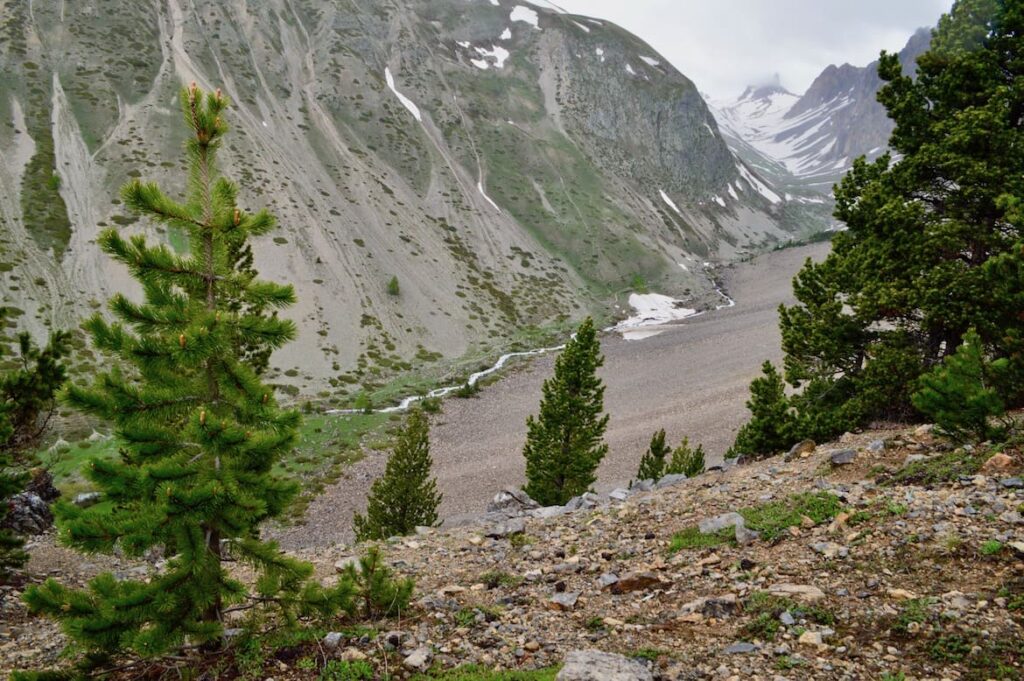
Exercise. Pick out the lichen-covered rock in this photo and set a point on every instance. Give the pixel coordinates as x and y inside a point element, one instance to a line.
<point>594,665</point>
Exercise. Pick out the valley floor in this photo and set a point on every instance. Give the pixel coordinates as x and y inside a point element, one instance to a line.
<point>691,380</point>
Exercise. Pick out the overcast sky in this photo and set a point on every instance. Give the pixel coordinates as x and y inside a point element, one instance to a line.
<point>724,45</point>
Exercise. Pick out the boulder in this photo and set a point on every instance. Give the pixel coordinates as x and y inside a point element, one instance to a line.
<point>997,463</point>
<point>619,494</point>
<point>669,480</point>
<point>741,648</point>
<point>746,536</point>
<point>594,665</point>
<point>507,528</point>
<point>511,502</point>
<point>418,660</point>
<point>801,450</point>
<point>564,601</point>
<point>27,514</point>
<point>332,640</point>
<point>720,522</point>
<point>842,457</point>
<point>86,499</point>
<point>801,592</point>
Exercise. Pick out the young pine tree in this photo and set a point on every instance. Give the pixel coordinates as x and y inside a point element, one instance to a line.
<point>652,463</point>
<point>199,432</point>
<point>11,553</point>
<point>686,460</point>
<point>959,394</point>
<point>405,496</point>
<point>771,424</point>
<point>564,444</point>
<point>27,402</point>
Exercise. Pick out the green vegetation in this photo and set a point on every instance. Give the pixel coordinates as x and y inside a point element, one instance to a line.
<point>990,547</point>
<point>945,467</point>
<point>686,460</point>
<point>376,592</point>
<point>766,608</point>
<point>477,673</point>
<point>914,611</point>
<point>652,463</point>
<point>393,288</point>
<point>405,496</point>
<point>958,395</point>
<point>199,432</point>
<point>932,249</point>
<point>771,520</point>
<point>496,579</point>
<point>564,444</point>
<point>27,402</point>
<point>771,427</point>
<point>343,670</point>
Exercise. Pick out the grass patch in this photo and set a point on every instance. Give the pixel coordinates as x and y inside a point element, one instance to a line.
<point>914,611</point>
<point>650,654</point>
<point>495,579</point>
<point>943,468</point>
<point>478,673</point>
<point>771,520</point>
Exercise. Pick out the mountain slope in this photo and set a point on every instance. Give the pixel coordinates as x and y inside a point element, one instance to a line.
<point>809,141</point>
<point>512,165</point>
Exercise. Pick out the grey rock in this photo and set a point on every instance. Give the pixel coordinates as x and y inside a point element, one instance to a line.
<point>86,499</point>
<point>594,665</point>
<point>619,494</point>
<point>565,600</point>
<point>670,480</point>
<point>1012,483</point>
<point>232,632</point>
<point>418,659</point>
<point>720,522</point>
<point>830,549</point>
<point>842,457</point>
<point>507,528</point>
<point>342,563</point>
<point>332,640</point>
<point>27,514</point>
<point>642,486</point>
<point>547,512</point>
<point>607,579</point>
<point>511,502</point>
<point>740,648</point>
<point>787,618</point>
<point>876,446</point>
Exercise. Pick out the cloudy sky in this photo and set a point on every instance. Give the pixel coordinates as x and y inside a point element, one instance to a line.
<point>724,45</point>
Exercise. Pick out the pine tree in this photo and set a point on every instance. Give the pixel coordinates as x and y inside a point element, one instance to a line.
<point>199,432</point>
<point>27,403</point>
<point>958,394</point>
<point>652,463</point>
<point>405,496</point>
<point>28,393</point>
<point>771,425</point>
<point>914,270</point>
<point>686,460</point>
<point>11,553</point>
<point>564,444</point>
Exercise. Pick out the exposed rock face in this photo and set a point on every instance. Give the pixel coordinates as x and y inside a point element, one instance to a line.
<point>805,143</point>
<point>505,172</point>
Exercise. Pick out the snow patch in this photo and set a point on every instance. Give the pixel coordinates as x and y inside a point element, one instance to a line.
<point>497,53</point>
<point>600,53</point>
<point>653,309</point>
<point>720,201</point>
<point>480,188</point>
<point>670,202</point>
<point>683,265</point>
<point>406,102</point>
<point>759,186</point>
<point>586,29</point>
<point>629,70</point>
<point>525,14</point>
<point>732,193</point>
<point>650,61</point>
<point>506,34</point>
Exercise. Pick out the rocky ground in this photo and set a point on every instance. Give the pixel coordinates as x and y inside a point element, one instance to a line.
<point>886,553</point>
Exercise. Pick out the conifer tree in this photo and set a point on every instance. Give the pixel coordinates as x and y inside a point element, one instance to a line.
<point>564,444</point>
<point>652,463</point>
<point>686,460</point>
<point>27,402</point>
<point>199,432</point>
<point>406,495</point>
<point>914,270</point>
<point>11,553</point>
<point>771,424</point>
<point>959,394</point>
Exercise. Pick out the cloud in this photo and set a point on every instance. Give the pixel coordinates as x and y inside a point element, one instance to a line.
<point>724,45</point>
